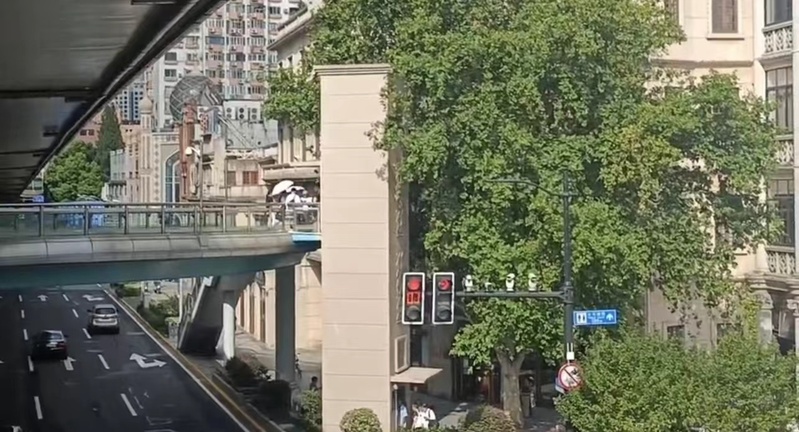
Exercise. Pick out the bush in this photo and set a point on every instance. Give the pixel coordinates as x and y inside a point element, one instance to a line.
<point>274,395</point>
<point>360,420</point>
<point>311,410</point>
<point>123,291</point>
<point>487,419</point>
<point>240,373</point>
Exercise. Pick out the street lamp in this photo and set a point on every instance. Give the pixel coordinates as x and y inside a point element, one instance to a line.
<point>566,293</point>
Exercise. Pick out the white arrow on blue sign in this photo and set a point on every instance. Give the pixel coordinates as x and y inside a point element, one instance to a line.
<point>602,317</point>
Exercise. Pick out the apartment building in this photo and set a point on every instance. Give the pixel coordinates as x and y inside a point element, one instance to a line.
<point>229,47</point>
<point>127,102</point>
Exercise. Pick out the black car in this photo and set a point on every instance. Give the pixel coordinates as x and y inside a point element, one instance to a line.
<point>49,344</point>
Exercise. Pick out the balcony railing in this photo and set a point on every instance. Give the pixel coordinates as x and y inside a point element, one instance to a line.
<point>781,260</point>
<point>74,219</point>
<point>785,155</point>
<point>778,39</point>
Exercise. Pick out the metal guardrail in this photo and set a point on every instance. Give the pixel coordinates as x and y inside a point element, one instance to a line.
<point>86,219</point>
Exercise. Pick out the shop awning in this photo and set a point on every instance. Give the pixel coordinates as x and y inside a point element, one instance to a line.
<point>415,375</point>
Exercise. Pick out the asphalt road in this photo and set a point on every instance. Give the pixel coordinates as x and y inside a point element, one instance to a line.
<point>121,383</point>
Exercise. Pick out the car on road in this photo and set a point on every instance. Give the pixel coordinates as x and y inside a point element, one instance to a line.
<point>103,318</point>
<point>49,344</point>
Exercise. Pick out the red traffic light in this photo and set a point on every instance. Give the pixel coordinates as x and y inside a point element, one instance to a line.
<point>445,284</point>
<point>414,283</point>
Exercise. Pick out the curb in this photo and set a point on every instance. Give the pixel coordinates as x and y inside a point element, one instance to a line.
<point>251,410</point>
<point>221,396</point>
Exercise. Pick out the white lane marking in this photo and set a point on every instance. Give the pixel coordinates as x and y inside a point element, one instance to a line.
<point>20,298</point>
<point>182,366</point>
<point>22,313</point>
<point>86,332</point>
<point>65,297</point>
<point>127,404</point>
<point>102,360</point>
<point>68,364</point>
<point>25,334</point>
<point>74,312</point>
<point>30,364</point>
<point>38,407</point>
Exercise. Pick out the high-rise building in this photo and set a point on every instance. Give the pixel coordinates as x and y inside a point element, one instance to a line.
<point>230,48</point>
<point>127,102</point>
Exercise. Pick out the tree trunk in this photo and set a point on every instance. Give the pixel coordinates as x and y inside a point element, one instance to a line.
<point>511,396</point>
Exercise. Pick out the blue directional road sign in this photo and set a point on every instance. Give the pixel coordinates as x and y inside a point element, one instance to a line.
<point>604,317</point>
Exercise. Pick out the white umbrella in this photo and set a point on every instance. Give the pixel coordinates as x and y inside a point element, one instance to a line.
<point>281,187</point>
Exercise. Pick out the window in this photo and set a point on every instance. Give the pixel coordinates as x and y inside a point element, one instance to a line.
<point>171,56</point>
<point>778,11</point>
<point>676,333</point>
<point>274,10</point>
<point>781,196</point>
<point>170,73</point>
<point>230,178</point>
<point>725,16</point>
<point>672,7</point>
<point>249,178</point>
<point>779,92</point>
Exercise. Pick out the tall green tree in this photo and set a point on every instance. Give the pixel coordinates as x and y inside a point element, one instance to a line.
<point>109,139</point>
<point>647,383</point>
<point>73,173</point>
<point>668,176</point>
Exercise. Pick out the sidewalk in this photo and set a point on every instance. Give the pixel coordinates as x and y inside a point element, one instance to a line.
<point>450,413</point>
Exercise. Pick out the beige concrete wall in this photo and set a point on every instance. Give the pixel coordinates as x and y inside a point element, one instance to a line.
<point>256,308</point>
<point>364,250</point>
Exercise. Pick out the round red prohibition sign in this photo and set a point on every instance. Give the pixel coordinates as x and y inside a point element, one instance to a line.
<point>570,376</point>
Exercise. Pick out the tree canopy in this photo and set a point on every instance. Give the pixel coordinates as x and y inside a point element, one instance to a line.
<point>73,173</point>
<point>648,383</point>
<point>108,140</point>
<point>668,169</point>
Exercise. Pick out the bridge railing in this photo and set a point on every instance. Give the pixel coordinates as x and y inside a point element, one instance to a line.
<point>83,219</point>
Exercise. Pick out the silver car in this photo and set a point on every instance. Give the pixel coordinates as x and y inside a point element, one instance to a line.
<point>103,318</point>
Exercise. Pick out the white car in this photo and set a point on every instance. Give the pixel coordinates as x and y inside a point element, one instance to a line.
<point>103,317</point>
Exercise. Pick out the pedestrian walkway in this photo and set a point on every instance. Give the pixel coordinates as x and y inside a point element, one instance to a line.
<point>449,413</point>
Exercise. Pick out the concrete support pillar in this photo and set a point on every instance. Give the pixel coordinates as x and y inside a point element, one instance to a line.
<point>229,300</point>
<point>765,323</point>
<point>285,322</point>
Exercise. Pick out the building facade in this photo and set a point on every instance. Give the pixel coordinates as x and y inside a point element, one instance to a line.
<point>127,102</point>
<point>229,47</point>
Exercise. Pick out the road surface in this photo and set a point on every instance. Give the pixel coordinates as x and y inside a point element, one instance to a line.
<point>120,383</point>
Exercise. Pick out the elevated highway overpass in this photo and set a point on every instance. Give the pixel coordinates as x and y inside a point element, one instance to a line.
<point>64,60</point>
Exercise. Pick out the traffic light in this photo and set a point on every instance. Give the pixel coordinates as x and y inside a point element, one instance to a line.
<point>413,289</point>
<point>443,298</point>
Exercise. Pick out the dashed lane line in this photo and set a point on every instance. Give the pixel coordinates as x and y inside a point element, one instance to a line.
<point>127,404</point>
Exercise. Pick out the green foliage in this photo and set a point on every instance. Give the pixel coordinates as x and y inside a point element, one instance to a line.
<point>641,382</point>
<point>668,181</point>
<point>294,98</point>
<point>240,373</point>
<point>311,410</point>
<point>73,174</point>
<point>360,420</point>
<point>487,419</point>
<point>109,139</point>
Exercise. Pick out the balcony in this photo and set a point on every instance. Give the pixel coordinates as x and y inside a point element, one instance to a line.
<point>781,260</point>
<point>778,39</point>
<point>785,154</point>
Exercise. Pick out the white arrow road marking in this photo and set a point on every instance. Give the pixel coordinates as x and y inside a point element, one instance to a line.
<point>42,297</point>
<point>74,312</point>
<point>38,407</point>
<point>22,313</point>
<point>65,297</point>
<point>102,360</point>
<point>92,298</point>
<point>144,364</point>
<point>127,404</point>
<point>24,334</point>
<point>30,364</point>
<point>68,364</point>
<point>86,332</point>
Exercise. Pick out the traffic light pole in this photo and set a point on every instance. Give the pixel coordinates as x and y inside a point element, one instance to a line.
<point>566,293</point>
